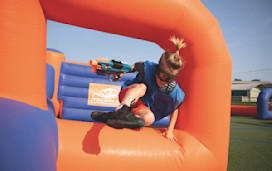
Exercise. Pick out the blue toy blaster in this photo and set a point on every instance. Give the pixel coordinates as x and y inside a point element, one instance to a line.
<point>103,66</point>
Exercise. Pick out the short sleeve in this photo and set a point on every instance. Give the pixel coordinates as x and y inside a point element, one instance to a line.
<point>140,67</point>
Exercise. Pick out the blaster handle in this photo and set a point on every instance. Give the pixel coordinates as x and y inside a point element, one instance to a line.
<point>114,79</point>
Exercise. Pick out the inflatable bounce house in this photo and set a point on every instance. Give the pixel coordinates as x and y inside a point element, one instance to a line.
<point>37,84</point>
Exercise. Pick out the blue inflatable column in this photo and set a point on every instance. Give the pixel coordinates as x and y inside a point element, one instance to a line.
<point>28,137</point>
<point>263,104</point>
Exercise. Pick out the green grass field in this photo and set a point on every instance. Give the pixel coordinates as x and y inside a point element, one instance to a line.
<point>250,147</point>
<point>244,103</point>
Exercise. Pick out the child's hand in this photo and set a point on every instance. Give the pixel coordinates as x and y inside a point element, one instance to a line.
<point>169,135</point>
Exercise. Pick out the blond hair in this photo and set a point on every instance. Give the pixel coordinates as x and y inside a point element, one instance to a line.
<point>172,59</point>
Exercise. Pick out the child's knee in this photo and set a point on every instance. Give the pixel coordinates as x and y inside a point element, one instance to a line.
<point>147,115</point>
<point>149,119</point>
<point>140,86</point>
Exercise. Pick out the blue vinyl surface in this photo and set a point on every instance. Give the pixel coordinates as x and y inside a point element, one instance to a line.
<point>50,80</point>
<point>29,137</point>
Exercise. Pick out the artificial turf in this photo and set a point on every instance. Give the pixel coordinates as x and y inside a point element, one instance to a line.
<point>250,147</point>
<point>244,103</point>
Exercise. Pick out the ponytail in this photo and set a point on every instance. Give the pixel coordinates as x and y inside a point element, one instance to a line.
<point>178,43</point>
<point>172,59</point>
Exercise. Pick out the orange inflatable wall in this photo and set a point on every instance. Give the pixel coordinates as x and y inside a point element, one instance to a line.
<point>244,110</point>
<point>204,118</point>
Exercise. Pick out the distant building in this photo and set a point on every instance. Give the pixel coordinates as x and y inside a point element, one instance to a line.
<point>248,91</point>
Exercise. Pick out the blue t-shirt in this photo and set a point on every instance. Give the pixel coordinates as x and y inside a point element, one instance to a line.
<point>162,101</point>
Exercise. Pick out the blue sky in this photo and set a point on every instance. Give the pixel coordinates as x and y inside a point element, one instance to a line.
<point>246,26</point>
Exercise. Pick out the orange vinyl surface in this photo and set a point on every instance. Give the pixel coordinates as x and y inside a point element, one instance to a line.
<point>203,123</point>
<point>95,146</point>
<point>244,110</point>
<point>23,48</point>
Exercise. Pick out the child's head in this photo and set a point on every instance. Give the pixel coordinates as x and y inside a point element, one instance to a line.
<point>170,63</point>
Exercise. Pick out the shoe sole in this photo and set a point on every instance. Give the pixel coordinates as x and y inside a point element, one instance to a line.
<point>120,124</point>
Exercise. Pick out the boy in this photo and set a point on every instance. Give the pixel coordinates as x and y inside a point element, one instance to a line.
<point>152,95</point>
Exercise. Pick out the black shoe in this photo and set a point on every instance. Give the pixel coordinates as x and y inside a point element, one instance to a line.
<point>123,118</point>
<point>124,114</point>
<point>101,116</point>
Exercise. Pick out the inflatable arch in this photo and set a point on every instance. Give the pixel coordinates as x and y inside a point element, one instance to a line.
<point>263,106</point>
<point>33,139</point>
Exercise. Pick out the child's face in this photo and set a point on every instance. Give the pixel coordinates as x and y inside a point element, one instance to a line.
<point>164,75</point>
